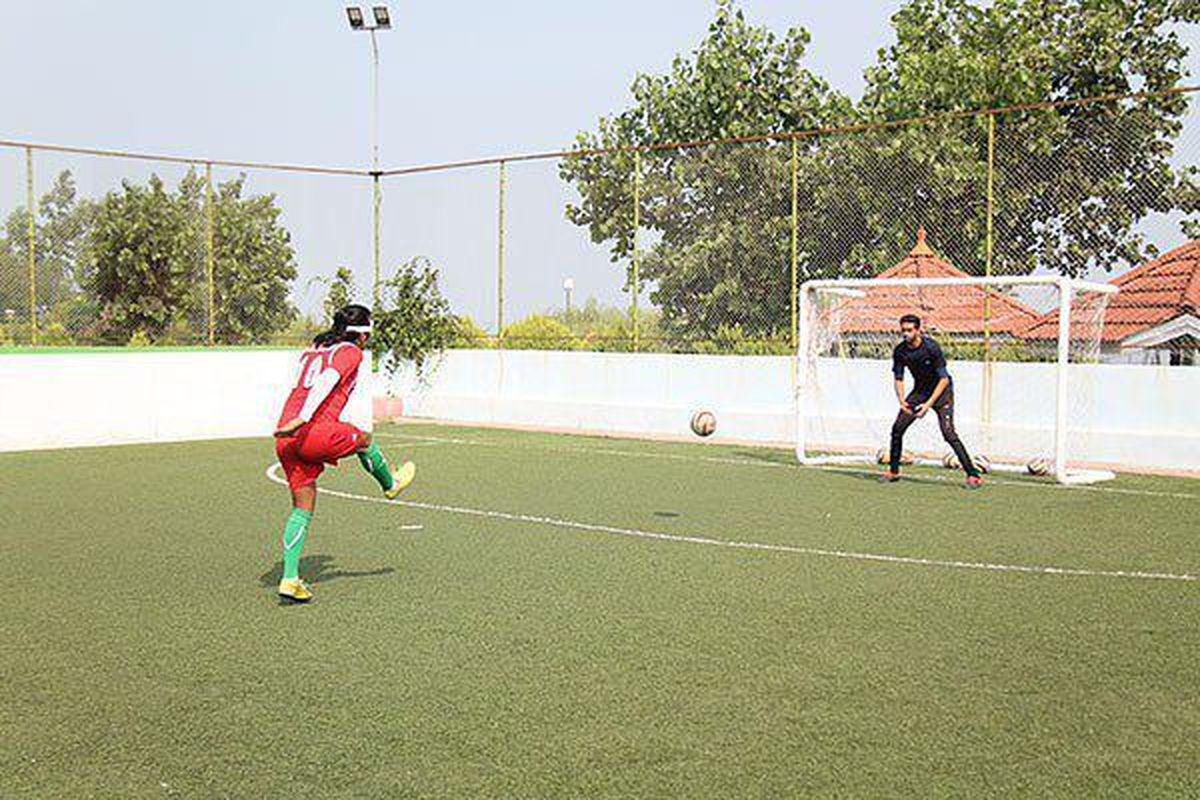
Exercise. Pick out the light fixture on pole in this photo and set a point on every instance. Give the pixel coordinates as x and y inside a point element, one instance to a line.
<point>383,21</point>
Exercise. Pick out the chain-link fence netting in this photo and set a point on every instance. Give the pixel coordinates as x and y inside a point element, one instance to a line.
<point>15,299</point>
<point>567,284</point>
<point>448,221</point>
<point>690,248</point>
<point>287,249</point>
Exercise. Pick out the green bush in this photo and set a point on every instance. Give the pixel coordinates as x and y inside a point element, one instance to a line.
<point>54,334</point>
<point>539,332</point>
<point>469,336</point>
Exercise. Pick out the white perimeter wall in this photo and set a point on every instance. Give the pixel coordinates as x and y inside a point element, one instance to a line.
<point>82,399</point>
<point>1140,416</point>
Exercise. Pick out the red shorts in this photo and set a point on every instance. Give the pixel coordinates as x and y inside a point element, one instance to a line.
<point>305,455</point>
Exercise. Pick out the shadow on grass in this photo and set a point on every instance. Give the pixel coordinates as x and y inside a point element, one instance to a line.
<point>864,472</point>
<point>319,569</point>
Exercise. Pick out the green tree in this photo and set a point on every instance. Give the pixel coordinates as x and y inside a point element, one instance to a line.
<point>60,233</point>
<point>146,267</point>
<point>414,323</point>
<point>254,265</point>
<point>340,294</point>
<point>143,261</point>
<point>1071,183</point>
<point>718,216</point>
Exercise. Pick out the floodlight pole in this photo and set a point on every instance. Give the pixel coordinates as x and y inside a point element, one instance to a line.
<point>357,23</point>
<point>375,189</point>
<point>374,101</point>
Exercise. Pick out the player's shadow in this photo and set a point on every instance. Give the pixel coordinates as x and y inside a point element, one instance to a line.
<point>316,569</point>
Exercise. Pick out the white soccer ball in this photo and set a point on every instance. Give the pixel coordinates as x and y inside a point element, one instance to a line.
<point>1038,466</point>
<point>950,461</point>
<point>704,423</point>
<point>982,463</point>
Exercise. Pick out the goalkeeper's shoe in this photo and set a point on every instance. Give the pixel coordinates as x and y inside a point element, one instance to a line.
<point>974,482</point>
<point>889,477</point>
<point>401,479</point>
<point>295,591</point>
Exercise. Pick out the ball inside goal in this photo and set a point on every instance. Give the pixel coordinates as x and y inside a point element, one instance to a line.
<point>704,423</point>
<point>1038,466</point>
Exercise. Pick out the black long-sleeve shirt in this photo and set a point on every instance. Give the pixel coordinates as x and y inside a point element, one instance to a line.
<point>925,361</point>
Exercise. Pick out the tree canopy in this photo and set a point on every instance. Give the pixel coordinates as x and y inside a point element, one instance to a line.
<point>1071,184</point>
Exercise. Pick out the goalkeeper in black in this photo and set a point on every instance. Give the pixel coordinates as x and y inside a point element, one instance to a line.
<point>933,389</point>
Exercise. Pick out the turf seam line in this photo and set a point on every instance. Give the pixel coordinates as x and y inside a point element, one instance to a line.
<point>746,462</point>
<point>848,555</point>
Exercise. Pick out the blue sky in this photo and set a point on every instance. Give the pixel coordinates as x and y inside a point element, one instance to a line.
<point>289,82</point>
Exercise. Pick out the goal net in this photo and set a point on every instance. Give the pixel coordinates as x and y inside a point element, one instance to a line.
<point>1021,352</point>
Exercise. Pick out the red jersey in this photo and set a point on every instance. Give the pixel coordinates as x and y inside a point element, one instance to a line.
<point>335,366</point>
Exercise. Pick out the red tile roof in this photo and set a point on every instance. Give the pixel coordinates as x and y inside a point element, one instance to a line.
<point>946,309</point>
<point>1154,293</point>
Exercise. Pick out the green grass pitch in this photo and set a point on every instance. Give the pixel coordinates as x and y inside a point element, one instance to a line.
<point>568,621</point>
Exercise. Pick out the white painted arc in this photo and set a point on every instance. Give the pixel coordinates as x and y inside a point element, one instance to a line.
<point>848,555</point>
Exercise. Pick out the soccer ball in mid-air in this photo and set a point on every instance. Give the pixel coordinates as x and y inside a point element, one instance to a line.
<point>950,461</point>
<point>1038,466</point>
<point>704,423</point>
<point>982,463</point>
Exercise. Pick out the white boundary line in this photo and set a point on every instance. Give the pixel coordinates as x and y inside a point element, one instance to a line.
<point>419,441</point>
<point>848,555</point>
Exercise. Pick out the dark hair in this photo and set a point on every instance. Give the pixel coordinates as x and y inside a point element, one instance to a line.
<point>342,319</point>
<point>911,318</point>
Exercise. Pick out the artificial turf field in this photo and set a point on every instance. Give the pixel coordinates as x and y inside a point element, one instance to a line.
<point>552,647</point>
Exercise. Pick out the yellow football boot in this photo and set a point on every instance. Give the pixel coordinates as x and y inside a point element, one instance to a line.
<point>401,479</point>
<point>295,591</point>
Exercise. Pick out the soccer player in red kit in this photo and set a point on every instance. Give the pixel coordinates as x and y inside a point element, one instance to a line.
<point>311,434</point>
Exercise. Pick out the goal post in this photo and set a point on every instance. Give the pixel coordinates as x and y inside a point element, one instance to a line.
<point>1021,350</point>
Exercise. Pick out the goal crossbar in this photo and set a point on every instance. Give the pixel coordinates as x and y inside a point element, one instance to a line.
<point>999,280</point>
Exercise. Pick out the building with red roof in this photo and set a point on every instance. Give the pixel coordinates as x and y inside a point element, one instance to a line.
<point>1153,319</point>
<point>959,311</point>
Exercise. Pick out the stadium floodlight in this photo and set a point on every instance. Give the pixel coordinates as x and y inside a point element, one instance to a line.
<point>382,18</point>
<point>1024,352</point>
<point>355,15</point>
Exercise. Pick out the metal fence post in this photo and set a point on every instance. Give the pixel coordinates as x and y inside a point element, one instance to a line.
<point>209,254</point>
<point>500,258</point>
<point>31,246</point>
<point>990,211</point>
<point>795,340</point>
<point>637,221</point>
<point>376,200</point>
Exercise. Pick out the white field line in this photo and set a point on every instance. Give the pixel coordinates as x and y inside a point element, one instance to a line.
<point>848,555</point>
<point>748,462</point>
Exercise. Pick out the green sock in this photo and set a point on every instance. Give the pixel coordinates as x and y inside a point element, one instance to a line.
<point>294,534</point>
<point>373,462</point>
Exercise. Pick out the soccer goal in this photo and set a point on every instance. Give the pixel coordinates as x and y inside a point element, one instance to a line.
<point>1022,352</point>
